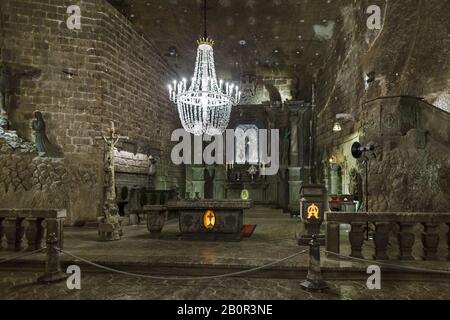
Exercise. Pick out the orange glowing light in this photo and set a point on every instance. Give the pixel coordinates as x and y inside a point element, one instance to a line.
<point>209,220</point>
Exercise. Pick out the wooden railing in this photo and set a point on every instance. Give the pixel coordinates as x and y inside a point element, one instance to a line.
<point>383,223</point>
<point>31,223</point>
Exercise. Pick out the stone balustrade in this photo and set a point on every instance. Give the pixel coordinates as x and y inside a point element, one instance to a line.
<point>31,223</point>
<point>384,223</point>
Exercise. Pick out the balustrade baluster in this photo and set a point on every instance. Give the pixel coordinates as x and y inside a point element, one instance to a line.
<point>34,233</point>
<point>406,239</point>
<point>14,232</point>
<point>430,241</point>
<point>332,240</point>
<point>381,240</point>
<point>1,232</point>
<point>356,237</point>
<point>448,240</point>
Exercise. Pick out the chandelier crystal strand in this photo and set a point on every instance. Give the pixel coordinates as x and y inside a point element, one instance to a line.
<point>205,107</point>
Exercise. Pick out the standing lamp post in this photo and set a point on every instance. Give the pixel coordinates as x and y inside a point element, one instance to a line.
<point>358,151</point>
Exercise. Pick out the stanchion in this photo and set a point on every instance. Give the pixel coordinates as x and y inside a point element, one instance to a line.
<point>53,271</point>
<point>314,281</point>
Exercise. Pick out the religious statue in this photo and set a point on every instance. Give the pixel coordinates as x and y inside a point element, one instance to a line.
<point>110,227</point>
<point>43,145</point>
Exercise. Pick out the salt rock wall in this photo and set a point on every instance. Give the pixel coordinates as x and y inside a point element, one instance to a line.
<point>402,109</point>
<point>29,181</point>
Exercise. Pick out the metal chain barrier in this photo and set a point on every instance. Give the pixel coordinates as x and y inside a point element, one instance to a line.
<point>26,254</point>
<point>388,264</point>
<point>183,278</point>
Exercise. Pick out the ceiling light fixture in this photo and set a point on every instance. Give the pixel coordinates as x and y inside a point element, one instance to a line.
<point>205,107</point>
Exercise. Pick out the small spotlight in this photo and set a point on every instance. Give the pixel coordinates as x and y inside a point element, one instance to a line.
<point>337,127</point>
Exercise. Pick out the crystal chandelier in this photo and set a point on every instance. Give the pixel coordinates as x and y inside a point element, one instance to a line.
<point>204,107</point>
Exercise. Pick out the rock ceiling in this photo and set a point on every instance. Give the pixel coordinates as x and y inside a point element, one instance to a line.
<point>261,37</point>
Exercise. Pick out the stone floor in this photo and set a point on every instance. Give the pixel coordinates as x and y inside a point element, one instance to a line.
<point>274,239</point>
<point>22,285</point>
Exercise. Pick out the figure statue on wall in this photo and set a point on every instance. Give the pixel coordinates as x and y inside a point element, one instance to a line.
<point>109,226</point>
<point>43,145</point>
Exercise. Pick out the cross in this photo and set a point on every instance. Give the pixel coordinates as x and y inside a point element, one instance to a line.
<point>111,140</point>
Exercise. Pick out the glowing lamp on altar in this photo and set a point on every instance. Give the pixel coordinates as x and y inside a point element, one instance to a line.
<point>209,220</point>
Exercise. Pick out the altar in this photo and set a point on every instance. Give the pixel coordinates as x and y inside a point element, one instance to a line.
<point>207,220</point>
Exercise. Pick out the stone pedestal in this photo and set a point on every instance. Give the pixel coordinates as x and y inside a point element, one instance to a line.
<point>156,218</point>
<point>109,231</point>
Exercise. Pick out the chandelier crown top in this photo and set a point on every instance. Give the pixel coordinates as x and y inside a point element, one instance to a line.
<point>205,40</point>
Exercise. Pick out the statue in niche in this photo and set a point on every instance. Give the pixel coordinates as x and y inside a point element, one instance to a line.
<point>43,145</point>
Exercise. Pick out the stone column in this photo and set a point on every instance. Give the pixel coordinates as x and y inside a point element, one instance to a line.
<point>406,239</point>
